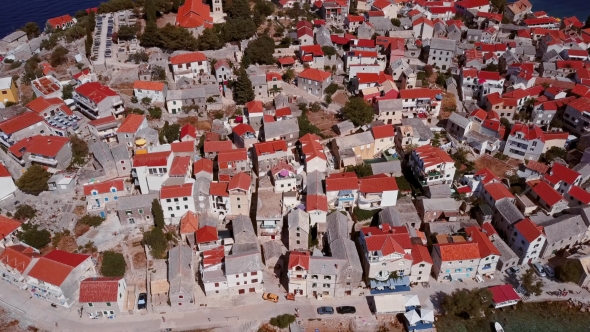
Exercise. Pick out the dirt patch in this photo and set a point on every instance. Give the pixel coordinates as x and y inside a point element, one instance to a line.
<point>80,229</point>
<point>125,88</point>
<point>165,19</point>
<point>80,211</point>
<point>193,120</point>
<point>448,103</point>
<point>139,260</point>
<point>498,167</point>
<point>9,324</point>
<point>324,121</point>
<point>67,243</point>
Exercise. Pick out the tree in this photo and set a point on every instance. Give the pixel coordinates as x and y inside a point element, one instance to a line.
<point>289,75</point>
<point>506,123</point>
<point>31,29</point>
<point>156,240</point>
<point>440,79</point>
<point>242,89</point>
<point>209,40</point>
<point>331,89</point>
<point>67,92</point>
<point>498,5</point>
<point>33,236</point>
<point>91,220</point>
<point>531,283</point>
<point>158,73</point>
<point>358,111</point>
<point>328,50</point>
<point>25,212</point>
<point>553,153</point>
<point>34,181</point>
<point>150,11</point>
<point>315,107</point>
<point>587,23</point>
<point>239,9</point>
<point>59,56</point>
<point>360,170</point>
<point>282,321</point>
<point>570,271</point>
<point>396,22</point>
<point>169,133</point>
<point>127,32</point>
<point>306,127</point>
<point>174,38</point>
<point>492,67</point>
<point>113,264</point>
<point>466,303</point>
<point>265,8</point>
<point>155,112</point>
<point>237,29</point>
<point>260,51</point>
<point>151,36</point>
<point>435,141</point>
<point>79,149</point>
<point>146,101</point>
<point>556,123</point>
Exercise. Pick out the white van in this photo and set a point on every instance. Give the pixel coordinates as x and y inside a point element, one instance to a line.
<point>539,269</point>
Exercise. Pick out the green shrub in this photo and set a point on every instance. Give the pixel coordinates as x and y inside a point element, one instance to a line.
<point>24,212</point>
<point>91,220</point>
<point>282,321</point>
<point>113,264</point>
<point>33,236</point>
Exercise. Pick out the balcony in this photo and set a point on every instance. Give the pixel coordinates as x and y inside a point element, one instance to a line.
<point>269,232</point>
<point>43,160</point>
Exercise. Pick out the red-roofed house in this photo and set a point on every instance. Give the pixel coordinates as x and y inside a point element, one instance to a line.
<point>352,22</point>
<point>188,132</point>
<point>490,255</point>
<point>312,55</point>
<point>212,148</point>
<point>274,82</point>
<point>231,162</point>
<point>189,224</point>
<point>195,16</point>
<point>314,81</point>
<point>576,114</point>
<point>219,199</point>
<point>377,191</point>
<point>297,269</point>
<point>102,195</point>
<point>421,101</point>
<point>207,238</point>
<point>203,168</point>
<point>150,170</point>
<point>479,5</point>
<point>423,28</point>
<point>353,58</point>
<point>384,137</point>
<point>505,107</point>
<point>128,130</point>
<point>548,198</point>
<point>341,189</point>
<point>477,181</point>
<point>432,165</point>
<point>528,141</point>
<point>528,241</point>
<point>269,154</point>
<point>61,22</point>
<point>562,178</point>
<point>55,276</point>
<point>518,10</point>
<point>102,293</point>
<point>577,196</point>
<point>213,271</point>
<point>315,159</point>
<point>504,295</point>
<point>104,128</point>
<point>421,263</point>
<point>8,229</point>
<point>496,191</point>
<point>50,151</point>
<point>304,33</point>
<point>317,207</point>
<point>15,260</point>
<point>283,177</point>
<point>155,91</point>
<point>21,126</point>
<point>244,136</point>
<point>7,187</point>
<point>455,261</point>
<point>189,65</point>
<point>384,250</point>
<point>97,101</point>
<point>389,8</point>
<point>176,201</point>
<point>240,194</point>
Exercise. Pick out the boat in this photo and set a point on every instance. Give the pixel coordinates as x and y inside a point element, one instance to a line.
<point>498,327</point>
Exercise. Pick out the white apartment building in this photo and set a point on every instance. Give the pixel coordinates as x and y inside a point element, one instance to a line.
<point>189,65</point>
<point>156,91</point>
<point>432,165</point>
<point>176,200</point>
<point>527,240</point>
<point>455,261</point>
<point>150,170</point>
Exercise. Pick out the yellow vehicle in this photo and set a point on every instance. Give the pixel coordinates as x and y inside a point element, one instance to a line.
<point>270,297</point>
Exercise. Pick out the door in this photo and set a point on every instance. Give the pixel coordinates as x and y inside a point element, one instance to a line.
<point>102,214</point>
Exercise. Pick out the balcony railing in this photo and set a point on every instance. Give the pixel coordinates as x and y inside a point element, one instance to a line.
<point>43,160</point>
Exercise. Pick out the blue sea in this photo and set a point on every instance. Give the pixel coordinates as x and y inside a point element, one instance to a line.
<point>15,13</point>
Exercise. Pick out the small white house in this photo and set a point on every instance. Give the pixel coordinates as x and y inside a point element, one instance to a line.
<point>176,200</point>
<point>156,91</point>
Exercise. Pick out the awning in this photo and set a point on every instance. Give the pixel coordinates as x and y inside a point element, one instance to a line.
<point>391,303</point>
<point>427,315</point>
<point>412,317</point>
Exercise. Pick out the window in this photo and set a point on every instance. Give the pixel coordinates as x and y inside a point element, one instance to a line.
<point>245,274</point>
<point>181,296</point>
<point>254,273</point>
<point>254,281</point>
<point>140,211</point>
<point>90,305</point>
<point>108,304</point>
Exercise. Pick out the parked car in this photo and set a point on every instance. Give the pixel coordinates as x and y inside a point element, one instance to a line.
<point>549,271</point>
<point>513,270</point>
<point>326,310</point>
<point>539,269</point>
<point>270,297</point>
<point>141,301</point>
<point>346,310</point>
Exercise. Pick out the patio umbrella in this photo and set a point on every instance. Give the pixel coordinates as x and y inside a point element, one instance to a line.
<point>412,300</point>
<point>412,317</point>
<point>427,315</point>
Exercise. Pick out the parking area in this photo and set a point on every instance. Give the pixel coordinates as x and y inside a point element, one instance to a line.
<point>103,42</point>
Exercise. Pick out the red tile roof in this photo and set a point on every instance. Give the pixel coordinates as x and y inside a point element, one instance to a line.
<point>564,173</point>
<point>254,106</point>
<point>315,50</point>
<point>580,194</point>
<point>95,91</point>
<point>149,85</point>
<point>529,230</point>
<point>315,75</point>
<point>488,229</point>
<point>273,75</point>
<point>188,57</point>
<point>180,166</point>
<point>176,191</point>
<point>214,256</point>
<point>473,3</point>
<point>357,18</point>
<point>382,131</point>
<point>503,293</point>
<point>312,147</point>
<point>377,184</point>
<point>486,175</point>
<point>56,266</point>
<point>285,111</point>
<point>207,234</point>
<point>19,122</point>
<point>419,93</point>
<point>40,104</point>
<point>498,191</point>
<point>104,187</point>
<point>240,181</point>
<point>188,130</point>
<point>232,155</point>
<point>458,251</point>
<point>432,155</point>
<point>18,257</point>
<point>66,258</point>
<point>189,223</point>
<point>187,146</point>
<point>537,167</point>
<point>59,21</point>
<point>530,131</point>
<point>131,123</point>
<point>342,181</point>
<point>423,20</point>
<point>48,146</point>
<point>203,165</point>
<point>581,105</point>
<point>102,121</point>
<point>217,146</point>
<point>286,61</point>
<point>243,128</point>
<point>7,226</point>
<point>486,247</point>
<point>218,189</point>
<point>488,75</point>
<point>420,254</point>
<point>270,147</point>
<point>547,193</point>
<point>193,14</point>
<point>97,290</point>
<point>387,239</point>
<point>4,172</point>
<point>151,159</point>
<point>316,202</point>
<point>298,258</point>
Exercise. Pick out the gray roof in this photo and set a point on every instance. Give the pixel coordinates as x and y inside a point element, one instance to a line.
<point>438,191</point>
<point>459,120</point>
<point>449,227</point>
<point>14,36</point>
<point>322,36</point>
<point>391,167</point>
<point>278,128</point>
<point>509,211</point>
<point>244,248</point>
<point>505,251</point>
<point>475,136</point>
<point>563,228</point>
<point>243,229</point>
<point>243,263</point>
<point>314,183</point>
<point>337,225</point>
<point>549,66</point>
<point>102,153</point>
<point>424,133</point>
<point>403,213</point>
<point>381,23</point>
<point>345,126</point>
<point>346,249</point>
<point>442,44</point>
<point>388,105</point>
<point>298,218</point>
<point>120,152</point>
<point>186,94</point>
<point>180,274</point>
<point>258,79</point>
<point>281,101</point>
<point>273,250</point>
<point>474,32</point>
<point>355,140</point>
<point>208,219</point>
<point>325,265</point>
<point>441,204</point>
<point>136,201</point>
<point>525,50</point>
<point>202,186</point>
<point>584,170</point>
<point>149,134</point>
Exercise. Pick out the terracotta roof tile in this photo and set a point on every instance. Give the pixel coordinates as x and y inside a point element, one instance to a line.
<point>19,122</point>
<point>98,290</point>
<point>342,181</point>
<point>218,189</point>
<point>239,181</point>
<point>207,234</point>
<point>189,223</point>
<point>498,191</point>
<point>104,187</point>
<point>151,159</point>
<point>458,251</point>
<point>18,257</point>
<point>180,166</point>
<point>177,191</point>
<point>420,254</point>
<point>217,146</point>
<point>382,131</point>
<point>188,57</point>
<point>48,146</point>
<point>315,75</point>
<point>564,173</point>
<point>377,184</point>
<point>95,91</point>
<point>547,193</point>
<point>149,85</point>
<point>203,165</point>
<point>188,130</point>
<point>297,258</point>
<point>131,123</point>
<point>529,230</point>
<point>316,202</point>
